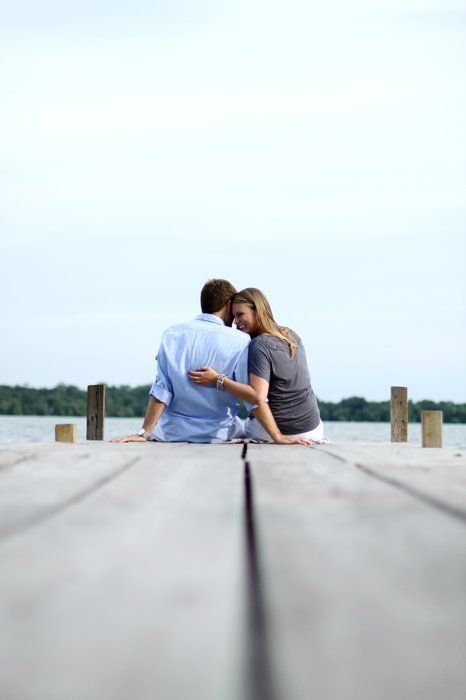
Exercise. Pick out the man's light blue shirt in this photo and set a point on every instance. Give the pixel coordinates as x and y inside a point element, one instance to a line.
<point>195,413</point>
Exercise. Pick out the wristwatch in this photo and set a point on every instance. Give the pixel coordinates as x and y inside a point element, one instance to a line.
<point>142,433</point>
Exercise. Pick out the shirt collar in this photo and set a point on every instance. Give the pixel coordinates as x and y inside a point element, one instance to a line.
<point>210,317</point>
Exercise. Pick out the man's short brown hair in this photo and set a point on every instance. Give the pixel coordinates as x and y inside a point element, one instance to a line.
<point>215,294</point>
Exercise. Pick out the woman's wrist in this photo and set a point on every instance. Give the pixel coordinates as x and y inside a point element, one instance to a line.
<point>275,433</point>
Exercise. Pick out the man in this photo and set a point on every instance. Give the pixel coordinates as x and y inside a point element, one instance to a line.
<point>180,411</point>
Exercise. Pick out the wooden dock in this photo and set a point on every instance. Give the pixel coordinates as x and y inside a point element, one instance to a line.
<point>212,572</point>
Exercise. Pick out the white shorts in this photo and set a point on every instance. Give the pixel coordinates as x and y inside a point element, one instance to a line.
<point>254,431</point>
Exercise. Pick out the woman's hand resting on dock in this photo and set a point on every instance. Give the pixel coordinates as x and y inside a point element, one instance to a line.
<point>290,440</point>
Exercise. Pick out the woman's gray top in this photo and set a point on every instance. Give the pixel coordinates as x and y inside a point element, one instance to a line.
<point>291,398</point>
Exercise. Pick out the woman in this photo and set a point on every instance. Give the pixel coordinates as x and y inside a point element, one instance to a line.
<point>277,372</point>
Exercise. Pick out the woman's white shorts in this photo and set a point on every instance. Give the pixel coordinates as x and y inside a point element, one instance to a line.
<point>254,431</point>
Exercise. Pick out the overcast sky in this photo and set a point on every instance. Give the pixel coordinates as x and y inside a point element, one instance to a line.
<point>315,152</point>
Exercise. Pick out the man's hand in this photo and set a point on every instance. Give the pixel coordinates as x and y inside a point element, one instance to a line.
<point>290,440</point>
<point>205,376</point>
<point>155,409</point>
<point>130,438</point>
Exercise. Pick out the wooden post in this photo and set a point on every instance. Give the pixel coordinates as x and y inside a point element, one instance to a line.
<point>65,432</point>
<point>399,413</point>
<point>432,428</point>
<point>95,411</point>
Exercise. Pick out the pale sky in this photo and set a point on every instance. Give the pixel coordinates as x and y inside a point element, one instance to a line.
<point>315,152</point>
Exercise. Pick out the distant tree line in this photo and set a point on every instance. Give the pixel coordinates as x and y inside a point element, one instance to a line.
<point>356,408</point>
<point>126,401</point>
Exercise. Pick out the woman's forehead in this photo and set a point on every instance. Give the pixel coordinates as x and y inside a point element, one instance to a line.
<point>238,307</point>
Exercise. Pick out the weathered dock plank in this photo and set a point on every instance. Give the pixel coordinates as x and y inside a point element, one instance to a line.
<point>438,475</point>
<point>363,583</point>
<point>135,590</point>
<point>10,457</point>
<point>36,484</point>
<point>126,571</point>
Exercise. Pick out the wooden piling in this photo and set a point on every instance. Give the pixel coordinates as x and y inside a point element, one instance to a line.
<point>65,432</point>
<point>399,414</point>
<point>432,422</point>
<point>95,411</point>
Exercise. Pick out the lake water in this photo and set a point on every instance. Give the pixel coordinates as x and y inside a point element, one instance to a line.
<point>42,429</point>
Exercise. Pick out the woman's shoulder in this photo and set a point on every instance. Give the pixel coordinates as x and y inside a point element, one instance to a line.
<point>261,345</point>
<point>258,343</point>
<point>291,334</point>
<point>271,342</point>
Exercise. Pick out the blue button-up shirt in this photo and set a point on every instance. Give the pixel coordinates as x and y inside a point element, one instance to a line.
<point>195,413</point>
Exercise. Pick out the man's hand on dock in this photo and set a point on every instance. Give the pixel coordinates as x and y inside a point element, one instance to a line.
<point>129,438</point>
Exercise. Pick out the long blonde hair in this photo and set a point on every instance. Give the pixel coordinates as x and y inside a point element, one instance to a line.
<point>257,300</point>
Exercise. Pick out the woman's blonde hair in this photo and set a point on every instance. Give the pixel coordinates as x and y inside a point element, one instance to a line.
<point>257,300</point>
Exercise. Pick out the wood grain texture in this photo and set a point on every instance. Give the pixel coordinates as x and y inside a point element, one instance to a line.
<point>134,591</point>
<point>438,475</point>
<point>66,432</point>
<point>127,571</point>
<point>9,457</point>
<point>95,411</point>
<point>399,414</point>
<point>364,584</point>
<point>432,423</point>
<point>42,484</point>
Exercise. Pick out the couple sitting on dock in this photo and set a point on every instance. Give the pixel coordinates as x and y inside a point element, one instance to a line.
<point>205,368</point>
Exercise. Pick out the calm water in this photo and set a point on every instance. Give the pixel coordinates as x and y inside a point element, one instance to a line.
<point>42,429</point>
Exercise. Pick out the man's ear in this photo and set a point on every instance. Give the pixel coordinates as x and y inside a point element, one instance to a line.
<point>228,314</point>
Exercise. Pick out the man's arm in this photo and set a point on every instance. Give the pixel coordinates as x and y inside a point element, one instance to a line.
<point>252,393</point>
<point>155,409</point>
<point>161,394</point>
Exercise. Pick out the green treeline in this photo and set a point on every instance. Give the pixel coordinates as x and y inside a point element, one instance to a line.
<point>62,400</point>
<point>358,409</point>
<point>131,402</point>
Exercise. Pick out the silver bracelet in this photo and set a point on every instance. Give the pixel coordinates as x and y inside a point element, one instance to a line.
<point>220,380</point>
